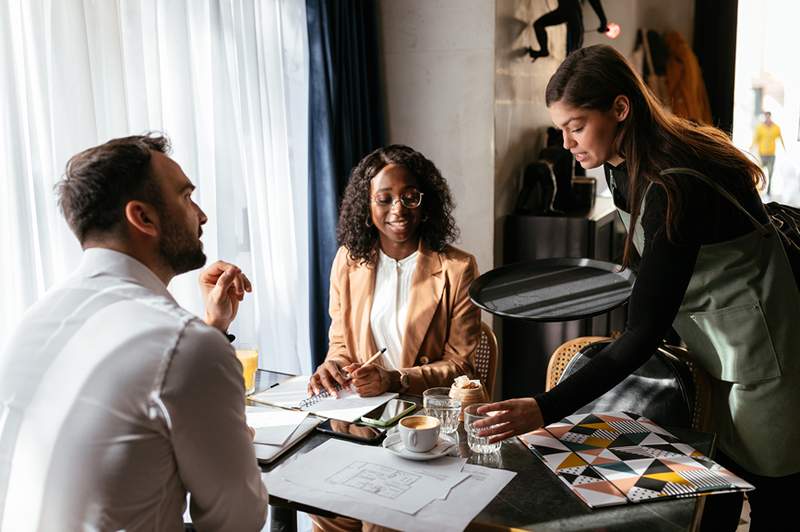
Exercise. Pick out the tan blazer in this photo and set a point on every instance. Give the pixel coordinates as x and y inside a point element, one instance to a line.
<point>442,324</point>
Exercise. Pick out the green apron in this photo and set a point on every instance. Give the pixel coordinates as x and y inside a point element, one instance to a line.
<point>740,321</point>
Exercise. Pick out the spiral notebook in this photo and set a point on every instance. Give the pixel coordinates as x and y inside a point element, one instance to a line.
<point>293,393</point>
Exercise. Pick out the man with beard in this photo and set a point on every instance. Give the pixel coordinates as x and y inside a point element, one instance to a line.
<point>114,401</point>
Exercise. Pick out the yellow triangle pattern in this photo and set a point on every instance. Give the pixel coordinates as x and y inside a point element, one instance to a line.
<point>572,460</point>
<point>668,477</point>
<point>597,426</point>
<point>597,442</point>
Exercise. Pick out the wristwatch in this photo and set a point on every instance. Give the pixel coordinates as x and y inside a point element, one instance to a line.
<point>403,380</point>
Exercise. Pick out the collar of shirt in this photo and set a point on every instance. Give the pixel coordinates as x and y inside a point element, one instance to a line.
<point>617,179</point>
<point>386,260</point>
<point>97,262</point>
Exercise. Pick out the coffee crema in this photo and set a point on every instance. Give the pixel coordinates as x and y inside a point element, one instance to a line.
<point>419,422</point>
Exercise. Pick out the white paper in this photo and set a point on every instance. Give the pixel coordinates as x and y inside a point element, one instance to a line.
<point>374,475</point>
<point>453,514</point>
<point>273,426</point>
<point>349,406</point>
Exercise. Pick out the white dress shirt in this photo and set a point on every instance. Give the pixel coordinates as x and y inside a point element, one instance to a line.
<point>390,305</point>
<point>114,402</point>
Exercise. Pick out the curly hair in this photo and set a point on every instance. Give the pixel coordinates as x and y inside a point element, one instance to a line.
<point>438,228</point>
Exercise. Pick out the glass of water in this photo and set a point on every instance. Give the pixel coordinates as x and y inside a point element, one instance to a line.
<point>439,404</point>
<point>476,443</point>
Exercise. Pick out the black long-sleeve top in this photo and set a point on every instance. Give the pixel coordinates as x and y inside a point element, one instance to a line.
<point>663,275</point>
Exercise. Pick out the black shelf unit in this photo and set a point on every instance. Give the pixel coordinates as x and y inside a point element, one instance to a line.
<point>527,346</point>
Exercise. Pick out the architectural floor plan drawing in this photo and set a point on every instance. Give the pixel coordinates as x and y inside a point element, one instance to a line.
<point>376,479</point>
<point>373,475</point>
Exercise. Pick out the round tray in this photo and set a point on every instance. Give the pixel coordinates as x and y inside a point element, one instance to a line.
<point>559,289</point>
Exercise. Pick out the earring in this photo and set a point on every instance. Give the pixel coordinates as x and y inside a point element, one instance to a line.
<point>368,222</point>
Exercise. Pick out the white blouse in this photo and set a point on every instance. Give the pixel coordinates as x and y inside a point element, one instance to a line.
<point>390,305</point>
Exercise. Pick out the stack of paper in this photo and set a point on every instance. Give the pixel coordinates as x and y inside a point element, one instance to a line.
<point>349,406</point>
<point>376,486</point>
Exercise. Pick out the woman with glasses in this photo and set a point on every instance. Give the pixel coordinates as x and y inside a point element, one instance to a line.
<point>397,283</point>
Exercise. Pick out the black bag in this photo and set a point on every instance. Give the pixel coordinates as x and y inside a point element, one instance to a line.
<point>786,220</point>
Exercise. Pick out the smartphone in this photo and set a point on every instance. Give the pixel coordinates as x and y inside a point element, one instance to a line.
<point>387,414</point>
<point>352,431</point>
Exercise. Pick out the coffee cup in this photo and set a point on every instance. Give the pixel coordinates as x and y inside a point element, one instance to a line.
<point>419,433</point>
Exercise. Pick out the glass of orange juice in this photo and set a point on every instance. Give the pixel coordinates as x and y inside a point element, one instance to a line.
<point>249,360</point>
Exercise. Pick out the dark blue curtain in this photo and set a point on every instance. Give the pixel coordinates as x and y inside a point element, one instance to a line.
<point>345,123</point>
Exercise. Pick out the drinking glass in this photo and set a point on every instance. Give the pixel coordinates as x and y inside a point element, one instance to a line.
<point>249,360</point>
<point>476,443</point>
<point>439,404</point>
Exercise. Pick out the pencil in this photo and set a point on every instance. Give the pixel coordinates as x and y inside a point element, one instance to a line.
<point>374,357</point>
<point>370,360</point>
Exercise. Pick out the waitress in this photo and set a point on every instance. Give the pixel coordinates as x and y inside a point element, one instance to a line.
<point>711,266</point>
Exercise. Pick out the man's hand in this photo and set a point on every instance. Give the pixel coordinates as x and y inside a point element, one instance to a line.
<point>513,417</point>
<point>326,377</point>
<point>223,286</point>
<point>370,380</point>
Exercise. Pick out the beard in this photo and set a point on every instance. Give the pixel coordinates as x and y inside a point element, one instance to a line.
<point>181,249</point>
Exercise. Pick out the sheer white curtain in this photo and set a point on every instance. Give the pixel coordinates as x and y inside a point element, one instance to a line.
<point>225,79</point>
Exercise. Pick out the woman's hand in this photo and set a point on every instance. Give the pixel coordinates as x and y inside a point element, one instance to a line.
<point>512,418</point>
<point>369,380</point>
<point>327,376</point>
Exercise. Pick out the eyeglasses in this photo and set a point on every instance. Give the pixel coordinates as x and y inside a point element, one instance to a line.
<point>411,199</point>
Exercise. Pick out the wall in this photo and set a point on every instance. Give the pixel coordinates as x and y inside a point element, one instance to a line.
<point>438,64</point>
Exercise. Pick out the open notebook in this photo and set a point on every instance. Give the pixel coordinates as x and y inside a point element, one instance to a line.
<point>293,393</point>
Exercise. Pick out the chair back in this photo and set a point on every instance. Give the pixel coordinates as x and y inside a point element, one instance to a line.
<point>486,359</point>
<point>669,388</point>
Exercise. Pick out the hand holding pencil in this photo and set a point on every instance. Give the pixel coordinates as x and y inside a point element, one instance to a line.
<point>369,379</point>
<point>332,378</point>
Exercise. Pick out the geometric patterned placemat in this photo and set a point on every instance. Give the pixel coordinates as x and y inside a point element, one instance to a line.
<point>614,458</point>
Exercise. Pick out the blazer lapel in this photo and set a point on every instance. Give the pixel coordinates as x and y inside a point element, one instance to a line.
<point>427,287</point>
<point>362,287</point>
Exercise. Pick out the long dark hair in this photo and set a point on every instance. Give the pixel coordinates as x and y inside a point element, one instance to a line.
<point>649,139</point>
<point>438,228</point>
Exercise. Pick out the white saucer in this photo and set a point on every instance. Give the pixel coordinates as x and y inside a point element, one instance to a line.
<point>394,444</point>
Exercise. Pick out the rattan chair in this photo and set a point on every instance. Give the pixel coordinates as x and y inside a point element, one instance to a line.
<point>486,359</point>
<point>563,355</point>
<point>701,401</point>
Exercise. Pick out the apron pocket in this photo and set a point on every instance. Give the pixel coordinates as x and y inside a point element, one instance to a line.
<point>742,342</point>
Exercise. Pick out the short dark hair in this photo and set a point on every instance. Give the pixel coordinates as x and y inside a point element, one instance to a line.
<point>100,181</point>
<point>438,228</point>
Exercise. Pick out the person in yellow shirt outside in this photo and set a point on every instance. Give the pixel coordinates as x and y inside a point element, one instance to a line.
<point>764,138</point>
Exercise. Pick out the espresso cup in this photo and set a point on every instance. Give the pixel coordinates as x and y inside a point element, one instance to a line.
<point>419,433</point>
